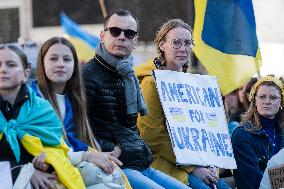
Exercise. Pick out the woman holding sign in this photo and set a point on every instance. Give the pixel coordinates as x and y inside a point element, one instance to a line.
<point>174,46</point>
<point>258,137</point>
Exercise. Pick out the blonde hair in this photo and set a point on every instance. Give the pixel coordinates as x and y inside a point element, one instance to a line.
<point>251,115</point>
<point>161,36</point>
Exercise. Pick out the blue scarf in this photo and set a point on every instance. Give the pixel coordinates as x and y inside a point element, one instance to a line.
<point>36,118</point>
<point>69,125</point>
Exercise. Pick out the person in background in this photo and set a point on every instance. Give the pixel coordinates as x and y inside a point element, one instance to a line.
<point>114,101</point>
<point>236,103</point>
<point>29,125</point>
<point>257,138</point>
<point>174,46</point>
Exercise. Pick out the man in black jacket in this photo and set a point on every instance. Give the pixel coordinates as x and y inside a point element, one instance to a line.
<point>114,101</point>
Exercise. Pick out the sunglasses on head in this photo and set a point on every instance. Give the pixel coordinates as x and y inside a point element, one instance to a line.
<point>115,32</point>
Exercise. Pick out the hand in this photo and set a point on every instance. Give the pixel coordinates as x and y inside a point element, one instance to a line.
<point>117,151</point>
<point>42,180</point>
<point>39,162</point>
<point>104,160</point>
<point>206,175</point>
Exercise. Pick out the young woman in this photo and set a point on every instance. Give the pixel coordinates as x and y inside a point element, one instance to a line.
<point>174,46</point>
<point>59,81</point>
<point>29,125</point>
<point>258,137</point>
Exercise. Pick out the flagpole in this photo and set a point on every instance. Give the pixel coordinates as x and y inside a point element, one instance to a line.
<point>103,8</point>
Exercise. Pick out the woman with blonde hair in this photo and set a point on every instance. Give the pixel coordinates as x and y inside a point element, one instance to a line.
<point>258,137</point>
<point>174,47</point>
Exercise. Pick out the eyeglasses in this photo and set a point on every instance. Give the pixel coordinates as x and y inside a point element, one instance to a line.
<point>272,99</point>
<point>177,43</point>
<point>115,32</point>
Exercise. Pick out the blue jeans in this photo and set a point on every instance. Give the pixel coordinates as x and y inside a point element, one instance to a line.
<point>152,179</point>
<point>196,183</point>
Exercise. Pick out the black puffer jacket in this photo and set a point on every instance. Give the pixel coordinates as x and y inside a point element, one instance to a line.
<point>107,114</point>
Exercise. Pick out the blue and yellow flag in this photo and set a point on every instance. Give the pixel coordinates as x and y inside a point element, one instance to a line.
<point>226,41</point>
<point>84,42</point>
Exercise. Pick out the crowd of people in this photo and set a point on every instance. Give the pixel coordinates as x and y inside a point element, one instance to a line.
<point>101,125</point>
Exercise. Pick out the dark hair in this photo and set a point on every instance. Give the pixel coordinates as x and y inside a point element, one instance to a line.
<point>120,12</point>
<point>74,89</point>
<point>21,54</point>
<point>161,36</point>
<point>249,85</point>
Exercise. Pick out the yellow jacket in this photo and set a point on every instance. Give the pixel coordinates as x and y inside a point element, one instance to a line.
<point>153,128</point>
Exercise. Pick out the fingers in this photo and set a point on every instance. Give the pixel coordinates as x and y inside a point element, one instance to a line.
<point>50,183</point>
<point>39,162</point>
<point>212,179</point>
<point>115,160</point>
<point>41,180</point>
<point>107,166</point>
<point>212,175</point>
<point>206,180</point>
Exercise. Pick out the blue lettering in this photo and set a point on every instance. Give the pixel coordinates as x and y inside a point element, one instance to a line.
<point>195,137</point>
<point>189,95</point>
<point>218,144</point>
<point>186,138</point>
<point>191,114</point>
<point>206,97</point>
<point>214,98</point>
<point>195,94</point>
<point>204,139</point>
<point>197,91</point>
<point>211,143</point>
<point>181,143</point>
<point>224,138</point>
<point>180,86</point>
<point>165,91</point>
<point>173,91</point>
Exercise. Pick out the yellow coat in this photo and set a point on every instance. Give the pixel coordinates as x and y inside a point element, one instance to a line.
<point>153,129</point>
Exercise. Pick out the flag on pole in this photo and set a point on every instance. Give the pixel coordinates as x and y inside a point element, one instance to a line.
<point>226,42</point>
<point>84,42</point>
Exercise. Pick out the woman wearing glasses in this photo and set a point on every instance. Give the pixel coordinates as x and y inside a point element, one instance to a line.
<point>174,46</point>
<point>258,137</point>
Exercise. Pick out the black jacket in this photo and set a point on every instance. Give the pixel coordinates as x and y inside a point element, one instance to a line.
<point>110,123</point>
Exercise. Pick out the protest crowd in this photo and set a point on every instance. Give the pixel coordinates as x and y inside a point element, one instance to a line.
<point>104,124</point>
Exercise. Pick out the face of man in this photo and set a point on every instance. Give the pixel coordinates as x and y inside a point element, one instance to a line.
<point>123,44</point>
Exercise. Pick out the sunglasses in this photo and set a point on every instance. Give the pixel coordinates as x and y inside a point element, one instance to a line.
<point>115,32</point>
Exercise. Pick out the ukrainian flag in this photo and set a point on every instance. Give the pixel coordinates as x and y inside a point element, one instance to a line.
<point>84,42</point>
<point>226,41</point>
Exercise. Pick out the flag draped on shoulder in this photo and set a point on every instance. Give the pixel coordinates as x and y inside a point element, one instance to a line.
<point>226,41</point>
<point>84,42</point>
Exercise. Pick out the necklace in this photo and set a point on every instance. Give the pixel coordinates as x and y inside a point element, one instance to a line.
<point>107,67</point>
<point>272,141</point>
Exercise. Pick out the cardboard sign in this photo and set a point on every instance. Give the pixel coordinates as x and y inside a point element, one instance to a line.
<point>5,178</point>
<point>195,119</point>
<point>276,176</point>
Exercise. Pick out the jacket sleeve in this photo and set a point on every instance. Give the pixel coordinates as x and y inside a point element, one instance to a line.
<point>247,175</point>
<point>152,126</point>
<point>104,140</point>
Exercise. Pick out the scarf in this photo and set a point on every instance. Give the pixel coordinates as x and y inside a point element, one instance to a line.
<point>68,122</point>
<point>36,118</point>
<point>133,97</point>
